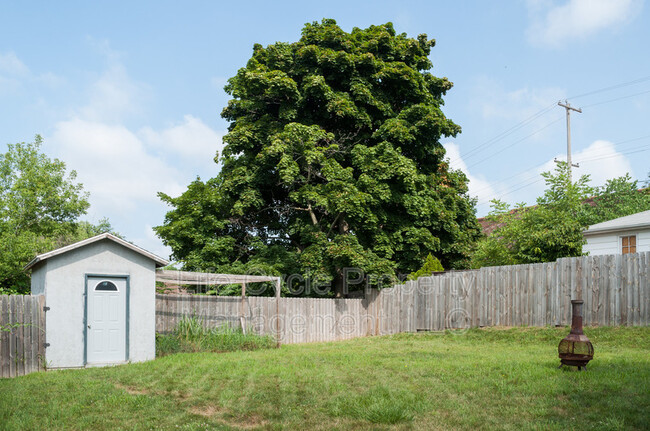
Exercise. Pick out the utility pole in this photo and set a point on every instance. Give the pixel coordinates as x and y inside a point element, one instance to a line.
<point>566,105</point>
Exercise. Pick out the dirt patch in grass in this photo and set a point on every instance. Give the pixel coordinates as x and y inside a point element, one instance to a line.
<point>560,407</point>
<point>251,421</point>
<point>247,421</point>
<point>206,411</point>
<point>179,395</point>
<point>131,390</point>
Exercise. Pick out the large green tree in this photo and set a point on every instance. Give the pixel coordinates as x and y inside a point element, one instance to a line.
<point>39,206</point>
<point>332,160</point>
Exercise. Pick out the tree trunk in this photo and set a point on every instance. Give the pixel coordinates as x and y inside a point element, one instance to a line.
<point>343,227</point>
<point>338,285</point>
<point>339,282</point>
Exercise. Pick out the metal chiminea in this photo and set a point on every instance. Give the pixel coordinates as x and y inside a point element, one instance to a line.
<point>576,349</point>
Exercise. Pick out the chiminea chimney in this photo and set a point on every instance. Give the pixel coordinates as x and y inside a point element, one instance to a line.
<point>576,349</point>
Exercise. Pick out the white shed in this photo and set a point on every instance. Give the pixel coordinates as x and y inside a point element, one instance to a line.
<point>629,234</point>
<point>100,296</point>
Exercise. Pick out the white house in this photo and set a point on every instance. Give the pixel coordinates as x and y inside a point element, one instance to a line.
<point>629,234</point>
<point>100,296</point>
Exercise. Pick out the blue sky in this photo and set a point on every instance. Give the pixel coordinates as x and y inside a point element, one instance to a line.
<point>129,93</point>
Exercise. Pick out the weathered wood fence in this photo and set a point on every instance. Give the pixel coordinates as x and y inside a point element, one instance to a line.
<point>289,320</point>
<point>615,288</point>
<point>22,334</point>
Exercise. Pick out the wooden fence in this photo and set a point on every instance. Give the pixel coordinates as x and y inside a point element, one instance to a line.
<point>22,334</point>
<point>289,320</point>
<point>615,288</point>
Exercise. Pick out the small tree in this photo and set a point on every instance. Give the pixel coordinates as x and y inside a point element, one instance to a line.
<point>39,204</point>
<point>544,233</point>
<point>431,265</point>
<point>619,197</point>
<point>553,228</point>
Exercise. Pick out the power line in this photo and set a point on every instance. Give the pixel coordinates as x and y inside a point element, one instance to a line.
<point>503,134</point>
<point>473,152</point>
<point>613,87</point>
<point>606,152</point>
<point>617,99</point>
<point>539,165</point>
<point>631,140</point>
<point>609,156</point>
<point>509,191</point>
<point>515,143</point>
<point>514,187</point>
<point>533,117</point>
<point>531,168</point>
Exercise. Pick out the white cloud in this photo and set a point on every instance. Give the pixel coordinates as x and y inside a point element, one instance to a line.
<point>12,73</point>
<point>478,186</point>
<point>600,160</point>
<point>11,65</point>
<point>114,96</point>
<point>50,80</point>
<point>17,78</point>
<point>554,25</point>
<point>123,168</point>
<point>494,101</point>
<point>123,175</point>
<point>150,242</point>
<point>191,140</point>
<point>113,164</point>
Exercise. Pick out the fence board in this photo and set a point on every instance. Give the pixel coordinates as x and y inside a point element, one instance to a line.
<point>12,340</point>
<point>22,334</point>
<point>642,279</point>
<point>27,337</point>
<point>4,336</point>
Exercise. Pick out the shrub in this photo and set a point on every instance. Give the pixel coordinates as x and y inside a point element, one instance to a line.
<point>431,265</point>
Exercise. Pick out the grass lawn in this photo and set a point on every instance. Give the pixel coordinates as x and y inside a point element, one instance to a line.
<point>483,379</point>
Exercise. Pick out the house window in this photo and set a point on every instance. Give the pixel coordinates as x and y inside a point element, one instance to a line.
<point>628,244</point>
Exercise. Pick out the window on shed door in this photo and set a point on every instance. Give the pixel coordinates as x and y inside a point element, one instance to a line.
<point>628,244</point>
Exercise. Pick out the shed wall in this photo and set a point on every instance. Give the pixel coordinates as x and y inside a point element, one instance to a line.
<point>64,290</point>
<point>609,243</point>
<point>38,278</point>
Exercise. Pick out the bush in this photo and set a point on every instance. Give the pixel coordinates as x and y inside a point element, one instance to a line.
<point>190,335</point>
<point>431,265</point>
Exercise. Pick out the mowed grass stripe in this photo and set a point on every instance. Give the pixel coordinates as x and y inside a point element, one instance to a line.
<point>482,379</point>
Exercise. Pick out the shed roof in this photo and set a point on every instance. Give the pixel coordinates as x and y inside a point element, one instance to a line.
<point>634,221</point>
<point>41,257</point>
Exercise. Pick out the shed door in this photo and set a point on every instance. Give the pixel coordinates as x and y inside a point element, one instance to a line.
<point>106,320</point>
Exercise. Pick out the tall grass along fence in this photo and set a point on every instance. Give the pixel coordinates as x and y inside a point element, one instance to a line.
<point>22,334</point>
<point>615,288</point>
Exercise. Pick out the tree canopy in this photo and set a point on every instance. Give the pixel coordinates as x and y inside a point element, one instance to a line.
<point>39,207</point>
<point>553,228</point>
<point>332,160</point>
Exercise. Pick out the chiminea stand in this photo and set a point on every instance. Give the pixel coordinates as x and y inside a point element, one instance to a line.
<point>576,349</point>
